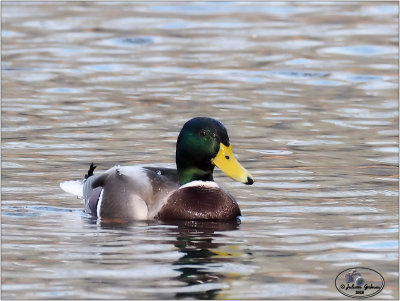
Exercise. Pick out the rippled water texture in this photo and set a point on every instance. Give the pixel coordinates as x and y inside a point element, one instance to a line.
<point>308,92</point>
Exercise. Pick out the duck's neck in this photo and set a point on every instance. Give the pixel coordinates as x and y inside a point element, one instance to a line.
<point>190,174</point>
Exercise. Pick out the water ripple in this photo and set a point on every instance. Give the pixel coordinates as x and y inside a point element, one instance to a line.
<point>307,91</point>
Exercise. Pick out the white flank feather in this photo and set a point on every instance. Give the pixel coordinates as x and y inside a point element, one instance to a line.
<point>74,187</point>
<point>99,203</point>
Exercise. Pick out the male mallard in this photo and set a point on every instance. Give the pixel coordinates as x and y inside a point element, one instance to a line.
<point>188,192</point>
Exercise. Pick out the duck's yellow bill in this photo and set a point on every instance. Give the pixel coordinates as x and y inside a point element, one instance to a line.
<point>227,162</point>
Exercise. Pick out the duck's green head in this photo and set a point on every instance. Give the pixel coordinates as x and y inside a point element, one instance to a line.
<point>203,143</point>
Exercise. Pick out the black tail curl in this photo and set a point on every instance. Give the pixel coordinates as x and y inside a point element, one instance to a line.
<point>90,171</point>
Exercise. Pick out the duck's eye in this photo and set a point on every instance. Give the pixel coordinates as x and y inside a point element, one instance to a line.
<point>202,133</point>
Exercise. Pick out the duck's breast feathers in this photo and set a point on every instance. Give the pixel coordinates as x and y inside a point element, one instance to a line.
<point>200,200</point>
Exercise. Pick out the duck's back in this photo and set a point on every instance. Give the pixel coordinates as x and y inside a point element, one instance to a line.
<point>129,192</point>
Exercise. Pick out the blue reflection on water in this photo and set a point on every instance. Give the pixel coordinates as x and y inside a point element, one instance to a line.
<point>384,244</point>
<point>225,7</point>
<point>361,50</point>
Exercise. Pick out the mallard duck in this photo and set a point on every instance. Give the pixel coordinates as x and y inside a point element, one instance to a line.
<point>185,193</point>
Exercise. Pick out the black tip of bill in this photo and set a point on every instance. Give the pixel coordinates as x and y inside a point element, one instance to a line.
<point>249,181</point>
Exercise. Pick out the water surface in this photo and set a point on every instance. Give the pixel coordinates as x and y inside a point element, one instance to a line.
<point>308,93</point>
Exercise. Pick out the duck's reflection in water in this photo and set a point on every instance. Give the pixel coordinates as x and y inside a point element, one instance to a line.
<point>205,248</point>
<point>196,240</point>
